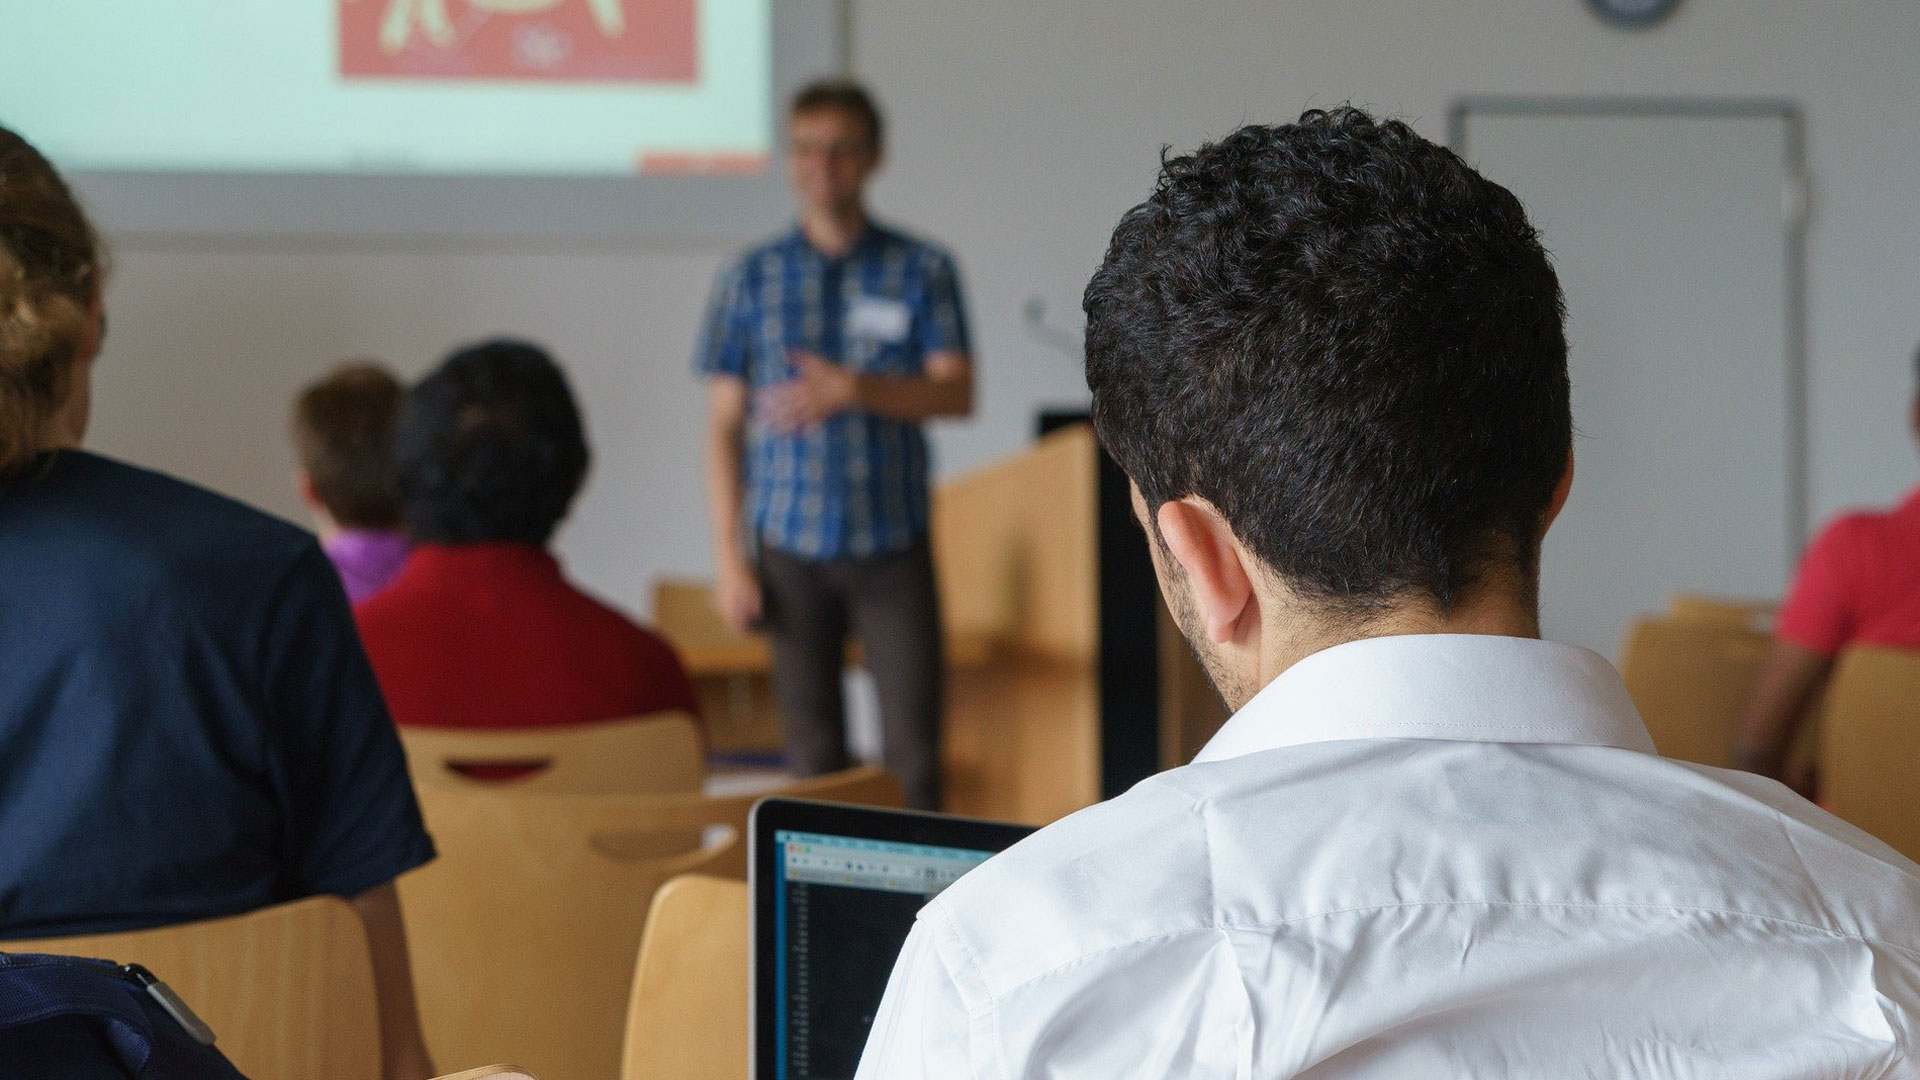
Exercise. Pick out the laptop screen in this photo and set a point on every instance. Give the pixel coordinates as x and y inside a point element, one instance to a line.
<point>842,907</point>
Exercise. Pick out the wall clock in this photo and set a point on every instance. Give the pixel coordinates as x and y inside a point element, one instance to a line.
<point>1633,14</point>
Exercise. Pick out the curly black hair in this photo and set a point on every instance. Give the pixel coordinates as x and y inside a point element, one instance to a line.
<point>1351,344</point>
<point>489,447</point>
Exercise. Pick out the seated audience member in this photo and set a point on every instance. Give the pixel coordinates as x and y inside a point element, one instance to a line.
<point>481,628</point>
<point>1858,584</point>
<point>343,431</point>
<point>188,727</point>
<point>1427,844</point>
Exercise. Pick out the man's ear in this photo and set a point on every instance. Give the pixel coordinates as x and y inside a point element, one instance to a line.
<point>1560,493</point>
<point>1200,540</point>
<point>304,482</point>
<point>96,337</point>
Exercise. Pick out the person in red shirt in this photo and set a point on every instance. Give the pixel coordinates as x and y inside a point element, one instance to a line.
<point>481,628</point>
<point>1858,584</point>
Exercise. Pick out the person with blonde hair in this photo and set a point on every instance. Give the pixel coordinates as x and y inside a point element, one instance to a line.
<point>190,727</point>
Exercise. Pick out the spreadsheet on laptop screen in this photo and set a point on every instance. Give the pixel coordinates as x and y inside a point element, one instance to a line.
<point>843,906</point>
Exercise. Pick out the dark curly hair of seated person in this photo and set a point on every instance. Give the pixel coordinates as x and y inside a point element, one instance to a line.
<point>1348,342</point>
<point>489,448</point>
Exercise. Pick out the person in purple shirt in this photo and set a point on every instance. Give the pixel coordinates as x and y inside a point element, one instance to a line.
<point>343,432</point>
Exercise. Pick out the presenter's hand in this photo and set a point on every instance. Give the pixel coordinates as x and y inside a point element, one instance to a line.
<point>820,390</point>
<point>736,592</point>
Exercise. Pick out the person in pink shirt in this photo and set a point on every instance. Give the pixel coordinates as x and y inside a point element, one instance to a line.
<point>343,432</point>
<point>1858,584</point>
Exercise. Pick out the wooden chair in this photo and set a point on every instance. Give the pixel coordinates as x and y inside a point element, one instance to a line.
<point>1692,607</point>
<point>688,1016</point>
<point>668,816</point>
<point>524,930</point>
<point>288,990</point>
<point>1870,747</point>
<point>657,753</point>
<point>541,897</point>
<point>1690,681</point>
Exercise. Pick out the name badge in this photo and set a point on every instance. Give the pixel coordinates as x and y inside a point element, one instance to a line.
<point>878,318</point>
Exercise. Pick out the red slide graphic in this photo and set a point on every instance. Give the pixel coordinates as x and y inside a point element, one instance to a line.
<point>644,41</point>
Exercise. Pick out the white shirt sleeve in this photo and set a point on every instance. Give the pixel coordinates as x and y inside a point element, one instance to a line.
<point>921,1031</point>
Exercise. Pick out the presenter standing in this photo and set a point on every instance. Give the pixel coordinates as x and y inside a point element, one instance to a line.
<point>825,350</point>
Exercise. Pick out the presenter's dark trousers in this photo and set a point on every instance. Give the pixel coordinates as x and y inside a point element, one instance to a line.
<point>891,604</point>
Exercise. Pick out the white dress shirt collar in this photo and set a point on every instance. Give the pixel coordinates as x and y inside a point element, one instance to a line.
<point>1463,687</point>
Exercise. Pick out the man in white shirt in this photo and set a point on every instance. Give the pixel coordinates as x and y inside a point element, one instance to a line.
<point>1427,844</point>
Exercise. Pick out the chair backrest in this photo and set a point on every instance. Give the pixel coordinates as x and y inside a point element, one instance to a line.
<point>688,1015</point>
<point>1692,607</point>
<point>1690,681</point>
<point>1870,751</point>
<point>288,990</point>
<point>524,932</point>
<point>656,753</point>
<point>490,1072</point>
<point>684,818</point>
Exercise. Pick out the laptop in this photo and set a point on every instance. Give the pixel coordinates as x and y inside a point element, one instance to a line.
<point>834,891</point>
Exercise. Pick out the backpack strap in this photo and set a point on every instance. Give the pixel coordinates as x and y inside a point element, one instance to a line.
<point>35,988</point>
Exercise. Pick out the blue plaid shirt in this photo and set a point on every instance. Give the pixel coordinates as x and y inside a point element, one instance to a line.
<point>854,486</point>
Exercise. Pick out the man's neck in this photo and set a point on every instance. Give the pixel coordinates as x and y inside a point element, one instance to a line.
<point>1498,608</point>
<point>834,231</point>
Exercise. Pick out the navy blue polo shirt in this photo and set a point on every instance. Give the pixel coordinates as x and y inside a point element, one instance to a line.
<point>188,725</point>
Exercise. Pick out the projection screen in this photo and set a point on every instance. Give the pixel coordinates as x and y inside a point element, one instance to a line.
<point>509,118</point>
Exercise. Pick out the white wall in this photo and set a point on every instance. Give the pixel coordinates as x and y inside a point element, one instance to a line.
<point>207,348</point>
<point>1021,129</point>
